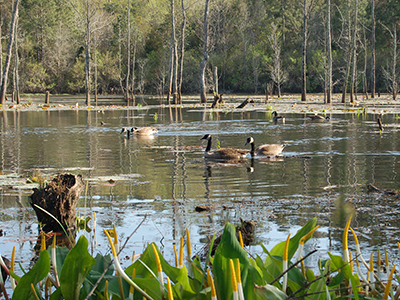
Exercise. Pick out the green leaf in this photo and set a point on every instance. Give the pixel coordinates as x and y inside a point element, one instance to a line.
<point>38,272</point>
<point>269,292</point>
<point>75,269</point>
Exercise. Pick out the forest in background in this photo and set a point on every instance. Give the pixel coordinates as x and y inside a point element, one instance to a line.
<point>255,46</point>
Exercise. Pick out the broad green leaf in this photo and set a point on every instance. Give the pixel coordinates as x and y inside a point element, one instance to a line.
<point>38,272</point>
<point>269,292</point>
<point>75,269</point>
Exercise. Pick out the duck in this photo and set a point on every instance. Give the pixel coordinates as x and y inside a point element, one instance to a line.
<point>276,117</point>
<point>222,153</point>
<point>264,150</point>
<point>318,118</point>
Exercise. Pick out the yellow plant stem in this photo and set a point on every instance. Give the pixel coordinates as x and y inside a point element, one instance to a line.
<point>159,269</point>
<point>181,254</point>
<point>176,257</point>
<point>345,240</point>
<point>12,280</point>
<point>170,295</point>
<point>119,269</point>
<point>241,239</point>
<point>34,292</point>
<point>302,242</point>
<point>371,273</point>
<point>285,264</point>
<point>106,290</point>
<point>188,244</point>
<point>234,281</point>
<point>358,249</point>
<point>389,283</point>
<point>379,265</point>
<point>211,284</point>
<point>239,280</point>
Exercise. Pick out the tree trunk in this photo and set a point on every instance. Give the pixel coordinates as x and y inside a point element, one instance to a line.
<point>175,68</point>
<point>87,56</point>
<point>373,76</point>
<point>216,80</point>
<point>58,200</point>
<point>203,64</point>
<point>354,53</point>
<point>133,73</point>
<point>95,74</point>
<point>182,52</point>
<point>304,60</point>
<point>394,75</point>
<point>329,52</point>
<point>171,53</point>
<point>9,50</point>
<point>16,63</point>
<point>128,55</point>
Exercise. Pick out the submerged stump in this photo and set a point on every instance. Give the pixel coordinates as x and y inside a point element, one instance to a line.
<point>59,199</point>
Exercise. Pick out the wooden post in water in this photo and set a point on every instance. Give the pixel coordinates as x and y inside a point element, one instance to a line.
<point>47,98</point>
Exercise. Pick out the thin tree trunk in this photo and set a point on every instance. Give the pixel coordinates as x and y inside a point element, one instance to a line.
<point>87,52</point>
<point>216,80</point>
<point>394,76</point>
<point>95,75</point>
<point>120,58</point>
<point>354,53</point>
<point>203,64</point>
<point>16,63</point>
<point>329,52</point>
<point>171,53</point>
<point>373,76</point>
<point>365,81</point>
<point>9,50</point>
<point>175,68</point>
<point>128,54</point>
<point>182,52</point>
<point>304,60</point>
<point>133,73</point>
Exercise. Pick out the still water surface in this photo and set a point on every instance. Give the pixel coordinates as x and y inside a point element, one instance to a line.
<point>323,172</point>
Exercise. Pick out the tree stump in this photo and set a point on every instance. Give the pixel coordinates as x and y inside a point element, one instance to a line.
<point>217,100</point>
<point>59,199</point>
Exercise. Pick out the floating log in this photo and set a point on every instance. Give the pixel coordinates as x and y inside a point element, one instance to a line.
<point>58,200</point>
<point>372,188</point>
<point>245,102</point>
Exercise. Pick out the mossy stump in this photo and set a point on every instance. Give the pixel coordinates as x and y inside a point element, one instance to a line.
<point>59,199</point>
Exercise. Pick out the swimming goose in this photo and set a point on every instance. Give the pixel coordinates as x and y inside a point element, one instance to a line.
<point>276,117</point>
<point>265,150</point>
<point>318,118</point>
<point>140,131</point>
<point>223,153</point>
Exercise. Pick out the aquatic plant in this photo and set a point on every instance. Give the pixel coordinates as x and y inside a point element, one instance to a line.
<point>231,273</point>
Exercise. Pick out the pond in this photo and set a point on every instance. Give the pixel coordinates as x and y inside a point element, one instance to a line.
<point>323,173</point>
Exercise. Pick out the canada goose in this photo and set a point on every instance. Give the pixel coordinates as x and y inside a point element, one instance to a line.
<point>265,150</point>
<point>318,118</point>
<point>145,131</point>
<point>223,153</point>
<point>276,117</point>
<point>379,120</point>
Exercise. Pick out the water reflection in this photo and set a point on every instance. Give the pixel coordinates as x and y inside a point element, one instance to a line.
<point>323,172</point>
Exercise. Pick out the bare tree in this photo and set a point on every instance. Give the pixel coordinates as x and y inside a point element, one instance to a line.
<point>16,63</point>
<point>9,50</point>
<point>203,64</point>
<point>373,76</point>
<point>329,52</point>
<point>354,54</point>
<point>306,13</point>
<point>172,53</point>
<point>180,76</point>
<point>128,55</point>
<point>277,74</point>
<point>390,72</point>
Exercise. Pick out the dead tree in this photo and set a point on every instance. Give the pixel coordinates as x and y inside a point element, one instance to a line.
<point>203,65</point>
<point>56,203</point>
<point>9,50</point>
<point>217,100</point>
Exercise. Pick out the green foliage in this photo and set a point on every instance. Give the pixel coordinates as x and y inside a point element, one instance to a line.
<point>79,272</point>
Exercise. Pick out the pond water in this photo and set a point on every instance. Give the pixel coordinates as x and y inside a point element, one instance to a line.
<point>323,173</point>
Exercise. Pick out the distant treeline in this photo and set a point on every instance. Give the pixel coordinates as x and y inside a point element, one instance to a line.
<point>247,41</point>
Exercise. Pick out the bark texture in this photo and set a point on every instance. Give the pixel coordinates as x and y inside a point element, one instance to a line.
<point>59,198</point>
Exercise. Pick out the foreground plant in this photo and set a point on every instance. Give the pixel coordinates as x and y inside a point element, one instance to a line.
<point>230,274</point>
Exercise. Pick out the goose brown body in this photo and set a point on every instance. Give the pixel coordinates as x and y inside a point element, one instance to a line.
<point>146,131</point>
<point>318,118</point>
<point>223,153</point>
<point>264,150</point>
